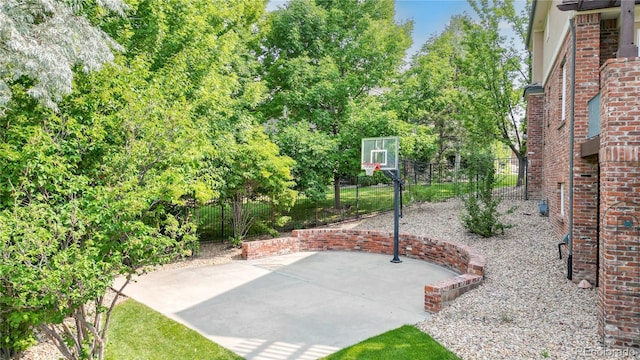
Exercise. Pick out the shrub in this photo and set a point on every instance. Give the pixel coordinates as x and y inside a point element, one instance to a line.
<point>420,193</point>
<point>16,334</point>
<point>378,177</point>
<point>481,207</point>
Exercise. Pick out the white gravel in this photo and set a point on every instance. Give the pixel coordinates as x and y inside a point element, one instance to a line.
<point>526,308</point>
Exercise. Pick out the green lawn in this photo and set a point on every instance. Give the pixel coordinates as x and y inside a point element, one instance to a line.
<point>308,213</point>
<point>137,332</point>
<point>406,342</point>
<point>370,199</point>
<point>305,213</point>
<point>503,180</point>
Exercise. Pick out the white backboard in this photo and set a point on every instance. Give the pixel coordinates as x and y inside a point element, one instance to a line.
<point>381,150</point>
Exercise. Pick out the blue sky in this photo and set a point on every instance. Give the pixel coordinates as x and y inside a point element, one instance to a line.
<point>429,16</point>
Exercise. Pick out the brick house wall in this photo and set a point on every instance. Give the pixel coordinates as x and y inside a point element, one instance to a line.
<point>555,145</point>
<point>606,204</point>
<point>619,277</point>
<point>585,177</point>
<point>596,41</point>
<point>608,40</point>
<point>535,120</point>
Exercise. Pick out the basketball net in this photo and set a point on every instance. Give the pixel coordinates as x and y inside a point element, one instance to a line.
<point>369,168</point>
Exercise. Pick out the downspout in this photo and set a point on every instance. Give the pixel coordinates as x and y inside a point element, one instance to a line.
<point>598,232</point>
<point>571,146</point>
<point>534,4</point>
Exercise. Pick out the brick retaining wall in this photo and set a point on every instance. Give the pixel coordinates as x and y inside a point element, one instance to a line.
<point>271,247</point>
<point>457,257</point>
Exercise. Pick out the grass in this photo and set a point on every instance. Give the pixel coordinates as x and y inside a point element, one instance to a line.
<point>307,213</point>
<point>370,199</point>
<point>434,192</point>
<point>503,180</point>
<point>406,342</point>
<point>137,332</point>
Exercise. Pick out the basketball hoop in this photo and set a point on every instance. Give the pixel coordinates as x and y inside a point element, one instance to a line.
<point>369,168</point>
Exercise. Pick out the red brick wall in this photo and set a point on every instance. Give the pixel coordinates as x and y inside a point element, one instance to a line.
<point>271,247</point>
<point>457,257</point>
<point>618,257</point>
<point>609,34</point>
<point>556,142</point>
<point>535,123</point>
<point>619,285</point>
<point>585,177</point>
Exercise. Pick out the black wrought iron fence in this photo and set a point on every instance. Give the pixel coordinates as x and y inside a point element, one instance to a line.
<point>361,195</point>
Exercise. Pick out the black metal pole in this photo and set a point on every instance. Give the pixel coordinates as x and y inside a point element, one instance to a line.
<point>222,223</point>
<point>357,197</point>
<point>526,177</point>
<point>396,215</point>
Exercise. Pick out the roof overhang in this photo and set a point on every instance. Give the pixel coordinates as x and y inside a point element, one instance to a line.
<point>532,89</point>
<point>586,5</point>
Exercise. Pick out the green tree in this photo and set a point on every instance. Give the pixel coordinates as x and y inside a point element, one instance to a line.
<point>371,119</point>
<point>428,92</point>
<point>102,188</point>
<point>320,58</point>
<point>42,41</point>
<point>95,191</point>
<point>493,78</point>
<point>312,150</point>
<point>257,172</point>
<point>481,214</point>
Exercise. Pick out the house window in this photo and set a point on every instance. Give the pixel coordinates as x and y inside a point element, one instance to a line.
<point>563,94</point>
<point>562,199</point>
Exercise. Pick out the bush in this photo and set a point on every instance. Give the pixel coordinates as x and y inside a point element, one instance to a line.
<point>378,177</point>
<point>16,334</point>
<point>421,193</point>
<point>481,207</point>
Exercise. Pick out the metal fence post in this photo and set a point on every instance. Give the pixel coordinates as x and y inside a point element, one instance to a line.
<point>222,221</point>
<point>316,213</point>
<point>357,197</point>
<point>526,178</point>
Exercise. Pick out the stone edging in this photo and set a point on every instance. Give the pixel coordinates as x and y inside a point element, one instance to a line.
<point>457,257</point>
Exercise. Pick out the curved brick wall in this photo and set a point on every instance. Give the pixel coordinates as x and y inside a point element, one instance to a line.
<point>457,257</point>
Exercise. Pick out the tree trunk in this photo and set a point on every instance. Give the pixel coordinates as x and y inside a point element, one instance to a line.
<point>236,209</point>
<point>522,164</point>
<point>243,218</point>
<point>336,191</point>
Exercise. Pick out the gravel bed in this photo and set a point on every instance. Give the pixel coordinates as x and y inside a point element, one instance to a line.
<point>526,308</point>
